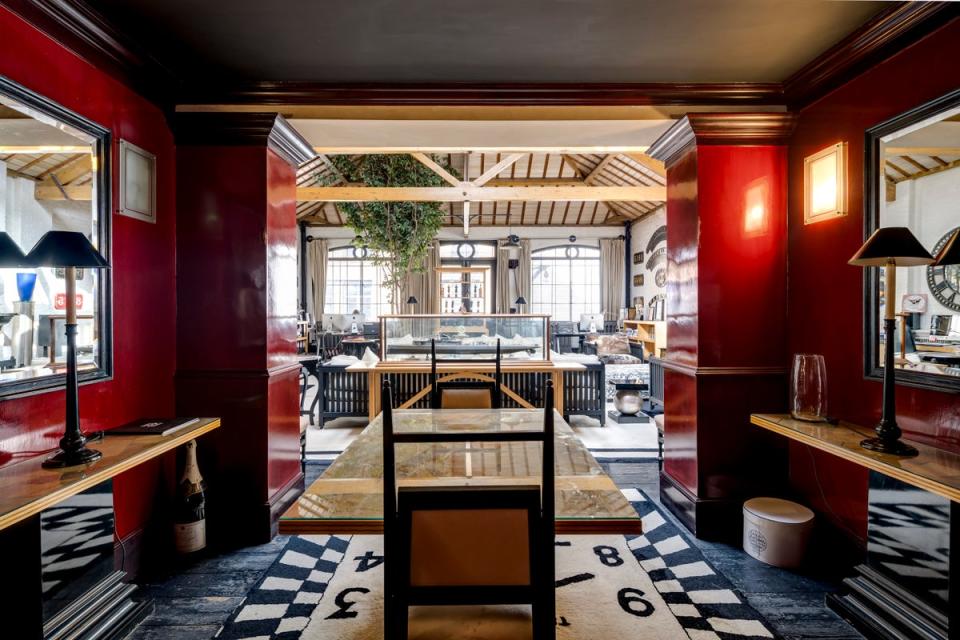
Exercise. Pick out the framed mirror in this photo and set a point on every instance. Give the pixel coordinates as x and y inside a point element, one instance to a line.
<point>912,179</point>
<point>54,175</point>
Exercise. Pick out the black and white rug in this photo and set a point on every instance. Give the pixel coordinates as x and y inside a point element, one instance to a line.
<point>657,585</point>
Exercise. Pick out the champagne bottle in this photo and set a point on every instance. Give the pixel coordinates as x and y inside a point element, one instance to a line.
<point>190,522</point>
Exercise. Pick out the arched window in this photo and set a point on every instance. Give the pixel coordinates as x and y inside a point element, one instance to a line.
<point>353,282</point>
<point>565,281</point>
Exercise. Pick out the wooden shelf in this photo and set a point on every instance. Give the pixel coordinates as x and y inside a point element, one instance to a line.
<point>934,470</point>
<point>650,334</point>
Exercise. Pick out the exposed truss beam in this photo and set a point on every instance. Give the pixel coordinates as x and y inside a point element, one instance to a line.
<point>467,192</point>
<point>49,149</point>
<point>655,166</point>
<point>428,162</point>
<point>496,169</point>
<point>922,151</point>
<point>67,192</point>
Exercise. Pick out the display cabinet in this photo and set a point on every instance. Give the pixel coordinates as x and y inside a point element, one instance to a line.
<point>465,337</point>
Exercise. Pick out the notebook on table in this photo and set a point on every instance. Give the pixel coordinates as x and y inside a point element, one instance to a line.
<point>153,426</point>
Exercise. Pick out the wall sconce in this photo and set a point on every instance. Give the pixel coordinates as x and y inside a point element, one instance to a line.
<point>825,184</point>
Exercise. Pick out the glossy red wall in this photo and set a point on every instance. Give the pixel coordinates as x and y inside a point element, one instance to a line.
<point>236,261</point>
<point>726,288</point>
<point>143,270</point>
<point>825,294</point>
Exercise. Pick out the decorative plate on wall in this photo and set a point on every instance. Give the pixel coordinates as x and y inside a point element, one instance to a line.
<point>660,277</point>
<point>944,280</point>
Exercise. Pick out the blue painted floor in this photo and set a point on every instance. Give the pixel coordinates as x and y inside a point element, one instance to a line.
<point>193,603</point>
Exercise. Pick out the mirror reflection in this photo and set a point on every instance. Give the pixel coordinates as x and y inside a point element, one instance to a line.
<point>921,190</point>
<point>47,182</point>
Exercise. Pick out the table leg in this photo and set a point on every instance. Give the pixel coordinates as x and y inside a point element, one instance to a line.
<point>373,384</point>
<point>557,377</point>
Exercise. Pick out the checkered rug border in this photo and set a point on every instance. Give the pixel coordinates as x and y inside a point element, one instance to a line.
<point>704,602</point>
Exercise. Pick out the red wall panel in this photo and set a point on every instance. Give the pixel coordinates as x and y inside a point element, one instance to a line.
<point>825,294</point>
<point>143,268</point>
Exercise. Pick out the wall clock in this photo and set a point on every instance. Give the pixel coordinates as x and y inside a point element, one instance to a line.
<point>944,280</point>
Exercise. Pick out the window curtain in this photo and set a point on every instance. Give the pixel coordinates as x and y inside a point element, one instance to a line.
<point>316,276</point>
<point>512,283</point>
<point>612,276</point>
<point>423,286</point>
<point>523,275</point>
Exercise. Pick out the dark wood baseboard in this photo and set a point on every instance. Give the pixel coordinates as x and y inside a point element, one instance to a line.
<point>128,554</point>
<point>716,519</point>
<point>282,500</point>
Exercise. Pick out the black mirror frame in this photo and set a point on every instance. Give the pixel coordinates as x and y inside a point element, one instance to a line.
<point>871,221</point>
<point>102,147</point>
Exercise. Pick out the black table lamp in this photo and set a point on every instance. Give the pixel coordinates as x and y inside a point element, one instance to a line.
<point>521,301</point>
<point>11,257</point>
<point>70,250</point>
<point>411,302</point>
<point>890,247</point>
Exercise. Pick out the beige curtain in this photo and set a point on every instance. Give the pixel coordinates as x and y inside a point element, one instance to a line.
<point>423,286</point>
<point>612,274</point>
<point>316,276</point>
<point>523,275</point>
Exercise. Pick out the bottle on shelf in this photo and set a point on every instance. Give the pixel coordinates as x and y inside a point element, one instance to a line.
<point>189,520</point>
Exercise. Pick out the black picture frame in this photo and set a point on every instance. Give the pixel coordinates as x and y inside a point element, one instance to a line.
<point>101,147</point>
<point>872,179</point>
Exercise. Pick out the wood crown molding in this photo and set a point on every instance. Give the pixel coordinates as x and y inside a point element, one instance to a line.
<point>694,371</point>
<point>88,34</point>
<point>494,94</point>
<point>243,129</point>
<point>722,128</point>
<point>891,30</point>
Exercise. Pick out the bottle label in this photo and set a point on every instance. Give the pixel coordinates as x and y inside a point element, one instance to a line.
<point>190,536</point>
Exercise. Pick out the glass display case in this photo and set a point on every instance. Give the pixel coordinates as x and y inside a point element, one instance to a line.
<point>405,338</point>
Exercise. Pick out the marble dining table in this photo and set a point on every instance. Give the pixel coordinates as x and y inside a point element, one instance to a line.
<point>348,497</point>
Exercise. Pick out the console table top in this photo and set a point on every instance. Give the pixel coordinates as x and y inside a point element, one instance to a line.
<point>28,488</point>
<point>935,470</point>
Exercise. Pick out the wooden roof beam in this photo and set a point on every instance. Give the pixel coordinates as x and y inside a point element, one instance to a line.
<point>471,193</point>
<point>429,163</point>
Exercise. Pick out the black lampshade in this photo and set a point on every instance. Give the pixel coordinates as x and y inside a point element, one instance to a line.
<point>891,244</point>
<point>66,249</point>
<point>412,300</point>
<point>520,300</point>
<point>950,254</point>
<point>10,254</point>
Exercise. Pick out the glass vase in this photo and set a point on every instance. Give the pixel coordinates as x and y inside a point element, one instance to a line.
<point>808,388</point>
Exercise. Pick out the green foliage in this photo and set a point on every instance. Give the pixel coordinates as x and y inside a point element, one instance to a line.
<point>397,234</point>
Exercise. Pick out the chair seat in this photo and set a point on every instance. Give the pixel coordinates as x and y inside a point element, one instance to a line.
<point>465,399</point>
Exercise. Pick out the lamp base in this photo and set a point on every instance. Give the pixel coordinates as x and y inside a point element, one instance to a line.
<point>893,447</point>
<point>79,456</point>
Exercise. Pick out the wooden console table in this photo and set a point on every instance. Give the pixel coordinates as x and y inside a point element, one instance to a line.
<point>934,470</point>
<point>905,587</point>
<point>28,490</point>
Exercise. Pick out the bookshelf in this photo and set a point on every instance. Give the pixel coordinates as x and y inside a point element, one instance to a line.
<point>650,334</point>
<point>463,289</point>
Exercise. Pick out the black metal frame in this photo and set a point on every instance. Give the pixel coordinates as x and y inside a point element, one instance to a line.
<point>399,594</point>
<point>436,388</point>
<point>101,146</point>
<point>871,221</point>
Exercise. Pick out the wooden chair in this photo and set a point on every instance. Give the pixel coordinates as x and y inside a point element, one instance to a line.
<point>468,545</point>
<point>465,394</point>
<point>329,346</point>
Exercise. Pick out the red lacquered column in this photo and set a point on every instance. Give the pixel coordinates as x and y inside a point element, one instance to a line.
<point>236,312</point>
<point>726,306</point>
